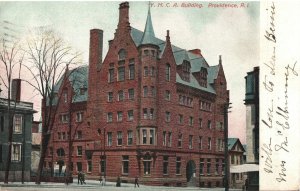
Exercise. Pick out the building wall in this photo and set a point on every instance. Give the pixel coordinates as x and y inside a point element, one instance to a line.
<point>95,127</point>
<point>249,133</point>
<point>24,139</point>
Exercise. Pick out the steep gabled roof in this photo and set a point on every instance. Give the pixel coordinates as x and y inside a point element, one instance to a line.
<point>232,142</point>
<point>180,54</point>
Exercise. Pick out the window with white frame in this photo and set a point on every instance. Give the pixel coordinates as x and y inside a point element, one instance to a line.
<point>79,116</point>
<point>167,95</point>
<point>168,72</point>
<point>18,120</point>
<point>111,75</point>
<point>180,140</point>
<point>16,152</point>
<point>209,143</point>
<point>178,165</point>
<point>125,164</point>
<point>130,115</point>
<point>145,113</point>
<point>208,167</point>
<point>180,118</point>
<point>145,71</point>
<point>119,138</point>
<point>109,117</point>
<point>119,116</point>
<point>151,139</point>
<point>131,69</point>
<point>190,141</point>
<point>151,116</point>
<point>79,134</point>
<point>122,54</point>
<point>121,73</point>
<point>191,121</point>
<point>209,124</point>
<point>131,94</point>
<point>109,139</point>
<point>110,97</point>
<point>144,136</point>
<point>129,137</point>
<point>120,95</point>
<point>201,171</point>
<point>64,118</point>
<point>79,150</point>
<point>164,138</point>
<point>165,165</point>
<point>89,166</point>
<point>170,139</point>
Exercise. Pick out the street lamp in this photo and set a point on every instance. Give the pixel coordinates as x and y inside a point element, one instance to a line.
<point>226,176</point>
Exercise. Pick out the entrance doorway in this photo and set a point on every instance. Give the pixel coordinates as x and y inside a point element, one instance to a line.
<point>190,171</point>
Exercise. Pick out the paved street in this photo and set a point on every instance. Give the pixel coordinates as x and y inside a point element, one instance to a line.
<point>92,185</point>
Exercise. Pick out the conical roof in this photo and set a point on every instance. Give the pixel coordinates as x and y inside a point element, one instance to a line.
<point>148,36</point>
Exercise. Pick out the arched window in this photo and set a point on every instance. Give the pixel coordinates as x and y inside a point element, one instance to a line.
<point>60,152</point>
<point>122,54</point>
<point>168,71</point>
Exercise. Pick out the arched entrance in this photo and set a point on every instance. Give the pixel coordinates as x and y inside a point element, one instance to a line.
<point>190,170</point>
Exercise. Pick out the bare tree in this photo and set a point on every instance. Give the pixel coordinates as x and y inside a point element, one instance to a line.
<point>11,58</point>
<point>48,56</point>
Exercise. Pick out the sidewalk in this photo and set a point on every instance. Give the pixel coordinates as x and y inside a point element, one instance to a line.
<point>94,185</point>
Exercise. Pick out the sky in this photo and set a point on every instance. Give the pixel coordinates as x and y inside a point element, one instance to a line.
<point>230,32</point>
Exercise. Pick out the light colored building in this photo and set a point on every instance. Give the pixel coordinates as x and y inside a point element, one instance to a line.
<point>236,151</point>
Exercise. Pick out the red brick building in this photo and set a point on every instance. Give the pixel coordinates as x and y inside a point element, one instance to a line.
<point>149,109</point>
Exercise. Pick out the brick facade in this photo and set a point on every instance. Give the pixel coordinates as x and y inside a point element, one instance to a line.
<point>147,116</point>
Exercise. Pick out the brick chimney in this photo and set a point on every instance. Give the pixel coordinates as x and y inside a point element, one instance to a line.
<point>124,15</point>
<point>16,90</point>
<point>96,47</point>
<point>196,51</point>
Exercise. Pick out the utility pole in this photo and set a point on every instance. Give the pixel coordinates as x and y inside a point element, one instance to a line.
<point>226,177</point>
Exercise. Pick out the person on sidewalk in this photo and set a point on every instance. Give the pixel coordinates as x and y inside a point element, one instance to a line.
<point>79,176</point>
<point>118,182</point>
<point>83,177</point>
<point>136,182</point>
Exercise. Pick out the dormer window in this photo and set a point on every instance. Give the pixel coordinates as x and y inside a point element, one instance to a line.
<point>186,69</point>
<point>122,54</point>
<point>203,77</point>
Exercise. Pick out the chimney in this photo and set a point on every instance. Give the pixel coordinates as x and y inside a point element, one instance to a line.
<point>196,51</point>
<point>16,90</point>
<point>124,15</point>
<point>96,47</point>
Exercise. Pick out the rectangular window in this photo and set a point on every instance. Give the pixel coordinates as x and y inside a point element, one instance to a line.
<point>167,95</point>
<point>151,113</point>
<point>2,123</point>
<point>200,123</point>
<point>152,71</point>
<point>119,116</point>
<point>121,73</point>
<point>64,118</point>
<point>190,141</point>
<point>109,139</point>
<point>144,136</point>
<point>180,140</point>
<point>200,142</point>
<point>131,94</point>
<point>131,71</point>
<point>89,166</point>
<point>110,75</point>
<point>217,166</point>
<point>79,150</point>
<point>110,97</point>
<point>209,143</point>
<point>168,116</point>
<point>129,137</point>
<point>102,166</point>
<point>191,121</point>
<point>170,139</point>
<point>164,138</point>
<point>59,136</point>
<point>168,70</point>
<point>147,166</point>
<point>79,116</point>
<point>165,165</point>
<point>130,115</point>
<point>208,167</point>
<point>79,166</point>
<point>178,165</point>
<point>109,117</point>
<point>201,166</point>
<point>120,95</point>
<point>18,123</point>
<point>180,119</point>
<point>63,135</point>
<point>119,138</point>
<point>79,135</point>
<point>153,91</point>
<point>145,71</point>
<point>65,96</point>
<point>145,113</point>
<point>125,164</point>
<point>232,159</point>
<point>151,137</point>
<point>209,124</point>
<point>145,89</point>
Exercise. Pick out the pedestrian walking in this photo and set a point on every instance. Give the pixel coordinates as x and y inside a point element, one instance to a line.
<point>118,182</point>
<point>136,182</point>
<point>79,177</point>
<point>83,177</point>
<point>246,184</point>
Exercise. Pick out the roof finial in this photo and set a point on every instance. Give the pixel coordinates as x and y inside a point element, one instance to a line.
<point>220,59</point>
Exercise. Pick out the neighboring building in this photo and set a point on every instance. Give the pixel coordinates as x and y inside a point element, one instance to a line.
<point>150,109</point>
<point>236,151</point>
<point>252,124</point>
<point>21,139</point>
<point>36,146</point>
<point>245,153</point>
